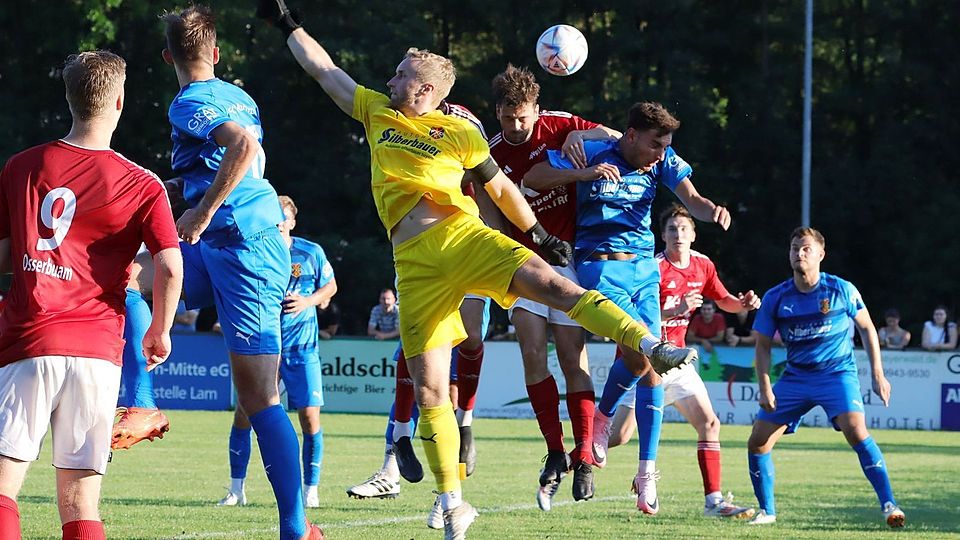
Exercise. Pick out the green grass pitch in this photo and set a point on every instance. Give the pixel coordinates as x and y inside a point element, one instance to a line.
<point>167,489</point>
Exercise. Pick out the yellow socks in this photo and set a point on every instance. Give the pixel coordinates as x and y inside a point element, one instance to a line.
<point>441,442</point>
<point>599,315</point>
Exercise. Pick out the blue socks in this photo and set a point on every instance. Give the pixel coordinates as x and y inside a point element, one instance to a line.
<point>761,475</point>
<point>279,449</point>
<point>619,381</point>
<point>137,383</point>
<point>312,457</point>
<point>649,413</point>
<point>240,443</point>
<point>875,469</point>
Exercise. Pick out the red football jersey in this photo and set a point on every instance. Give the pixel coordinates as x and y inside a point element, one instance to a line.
<point>75,218</point>
<point>555,209</point>
<point>700,276</point>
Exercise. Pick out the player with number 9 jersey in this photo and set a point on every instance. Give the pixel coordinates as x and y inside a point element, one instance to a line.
<point>75,218</point>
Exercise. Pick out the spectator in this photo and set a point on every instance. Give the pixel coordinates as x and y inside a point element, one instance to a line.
<point>892,336</point>
<point>740,329</point>
<point>706,327</point>
<point>385,317</point>
<point>328,319</point>
<point>939,334</point>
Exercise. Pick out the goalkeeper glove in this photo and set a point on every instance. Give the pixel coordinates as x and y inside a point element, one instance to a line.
<point>278,14</point>
<point>554,250</point>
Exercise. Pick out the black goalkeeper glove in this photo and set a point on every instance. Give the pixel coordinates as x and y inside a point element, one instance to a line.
<point>554,250</point>
<point>278,14</point>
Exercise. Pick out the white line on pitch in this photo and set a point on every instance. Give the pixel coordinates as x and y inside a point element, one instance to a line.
<point>386,521</point>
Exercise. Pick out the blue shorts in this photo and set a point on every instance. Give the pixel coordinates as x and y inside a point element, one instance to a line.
<point>246,282</point>
<point>484,327</point>
<point>633,285</point>
<point>301,375</point>
<point>837,392</point>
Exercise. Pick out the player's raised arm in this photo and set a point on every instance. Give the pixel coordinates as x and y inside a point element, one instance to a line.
<point>701,207</point>
<point>311,56</point>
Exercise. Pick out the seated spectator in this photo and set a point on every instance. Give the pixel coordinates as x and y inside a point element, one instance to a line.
<point>328,319</point>
<point>385,317</point>
<point>939,334</point>
<point>706,327</point>
<point>892,336</point>
<point>740,329</point>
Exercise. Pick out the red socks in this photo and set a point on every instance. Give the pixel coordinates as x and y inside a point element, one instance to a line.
<point>580,406</point>
<point>545,400</point>
<point>83,530</point>
<point>9,519</point>
<point>468,376</point>
<point>708,455</point>
<point>403,400</point>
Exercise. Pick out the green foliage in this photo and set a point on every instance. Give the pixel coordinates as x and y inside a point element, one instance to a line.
<point>885,113</point>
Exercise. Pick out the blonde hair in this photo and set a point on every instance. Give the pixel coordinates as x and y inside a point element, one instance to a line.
<point>434,69</point>
<point>191,34</point>
<point>287,203</point>
<point>93,79</point>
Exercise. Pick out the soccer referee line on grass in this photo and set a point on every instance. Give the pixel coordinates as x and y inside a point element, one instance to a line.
<point>400,519</point>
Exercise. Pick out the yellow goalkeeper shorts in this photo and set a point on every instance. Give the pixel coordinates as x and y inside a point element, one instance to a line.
<point>437,267</point>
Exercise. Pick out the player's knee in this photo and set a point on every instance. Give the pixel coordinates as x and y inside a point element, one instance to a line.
<point>710,430</point>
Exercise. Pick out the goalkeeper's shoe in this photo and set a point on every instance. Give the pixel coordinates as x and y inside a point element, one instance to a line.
<point>666,356</point>
<point>378,486</point>
<point>136,424</point>
<point>233,499</point>
<point>457,520</point>
<point>435,517</point>
<point>726,509</point>
<point>893,515</point>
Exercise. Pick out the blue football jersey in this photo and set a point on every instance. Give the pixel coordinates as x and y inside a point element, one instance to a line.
<point>198,109</point>
<point>309,271</point>
<point>615,216</point>
<point>814,326</point>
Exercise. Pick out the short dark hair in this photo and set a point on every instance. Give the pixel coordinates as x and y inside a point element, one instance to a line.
<point>652,115</point>
<point>675,211</point>
<point>92,79</point>
<point>515,87</point>
<point>800,232</point>
<point>892,312</point>
<point>190,33</point>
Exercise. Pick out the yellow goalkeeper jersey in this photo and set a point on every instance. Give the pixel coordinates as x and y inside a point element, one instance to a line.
<point>416,157</point>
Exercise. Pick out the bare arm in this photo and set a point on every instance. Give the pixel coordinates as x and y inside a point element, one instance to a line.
<point>294,303</point>
<point>315,60</point>
<point>762,352</point>
<point>572,148</point>
<point>167,282</point>
<point>701,207</point>
<point>544,176</point>
<point>871,344</point>
<point>507,197</point>
<point>241,149</point>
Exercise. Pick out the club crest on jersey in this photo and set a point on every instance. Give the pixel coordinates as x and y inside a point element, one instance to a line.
<point>824,305</point>
<point>296,269</point>
<point>436,132</point>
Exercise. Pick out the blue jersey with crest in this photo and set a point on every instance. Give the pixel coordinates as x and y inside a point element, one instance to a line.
<point>815,325</point>
<point>198,109</point>
<point>615,216</point>
<point>309,270</point>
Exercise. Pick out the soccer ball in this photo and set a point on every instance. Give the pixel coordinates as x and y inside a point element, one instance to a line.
<point>561,50</point>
